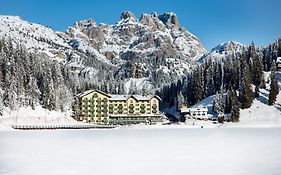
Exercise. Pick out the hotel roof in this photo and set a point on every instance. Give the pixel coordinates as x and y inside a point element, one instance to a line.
<point>120,97</point>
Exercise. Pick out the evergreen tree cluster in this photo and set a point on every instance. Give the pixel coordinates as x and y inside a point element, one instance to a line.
<point>241,71</point>
<point>29,80</point>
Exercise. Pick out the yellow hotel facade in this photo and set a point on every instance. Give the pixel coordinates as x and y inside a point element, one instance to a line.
<point>102,108</point>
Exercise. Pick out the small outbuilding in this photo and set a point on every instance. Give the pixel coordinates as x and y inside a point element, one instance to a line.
<point>200,113</point>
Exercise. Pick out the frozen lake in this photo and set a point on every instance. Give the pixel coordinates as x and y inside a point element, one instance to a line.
<point>141,152</point>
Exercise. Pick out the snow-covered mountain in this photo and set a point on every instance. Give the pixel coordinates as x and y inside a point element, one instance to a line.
<point>154,45</point>
<point>151,34</point>
<point>35,37</point>
<point>223,50</point>
<point>40,39</point>
<point>155,48</point>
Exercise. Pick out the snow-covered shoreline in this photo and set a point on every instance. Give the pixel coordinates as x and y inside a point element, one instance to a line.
<point>4,127</point>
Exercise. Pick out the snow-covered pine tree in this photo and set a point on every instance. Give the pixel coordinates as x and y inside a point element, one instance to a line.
<point>48,91</point>
<point>197,86</point>
<point>227,108</point>
<point>235,111</point>
<point>218,76</point>
<point>218,104</point>
<point>1,82</point>
<point>121,88</point>
<point>245,89</point>
<point>274,87</point>
<point>10,82</point>
<point>257,69</point>
<point>20,74</point>
<point>180,100</point>
<point>76,107</point>
<point>209,79</point>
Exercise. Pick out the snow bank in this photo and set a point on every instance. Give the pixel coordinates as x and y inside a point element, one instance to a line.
<point>5,127</point>
<point>26,115</point>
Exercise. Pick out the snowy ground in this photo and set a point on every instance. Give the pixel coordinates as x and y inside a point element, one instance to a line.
<point>260,114</point>
<point>141,151</point>
<point>38,116</point>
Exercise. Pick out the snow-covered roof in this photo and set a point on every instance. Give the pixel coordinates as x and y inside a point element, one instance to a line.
<point>137,97</point>
<point>84,93</point>
<point>278,59</point>
<point>119,97</point>
<point>90,91</point>
<point>204,109</point>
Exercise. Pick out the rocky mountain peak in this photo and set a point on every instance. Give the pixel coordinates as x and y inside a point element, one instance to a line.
<point>85,24</point>
<point>223,50</point>
<point>230,46</point>
<point>127,15</point>
<point>170,20</point>
<point>152,21</point>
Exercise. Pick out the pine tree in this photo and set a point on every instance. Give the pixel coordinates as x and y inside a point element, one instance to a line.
<point>235,113</point>
<point>274,87</point>
<point>257,72</point>
<point>76,107</point>
<point>121,88</point>
<point>1,85</point>
<point>32,92</point>
<point>218,76</point>
<point>48,93</point>
<point>245,90</point>
<point>197,86</point>
<point>209,79</point>
<point>227,108</point>
<point>10,84</point>
<point>218,104</point>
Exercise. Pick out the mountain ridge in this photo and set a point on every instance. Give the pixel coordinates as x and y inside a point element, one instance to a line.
<point>154,48</point>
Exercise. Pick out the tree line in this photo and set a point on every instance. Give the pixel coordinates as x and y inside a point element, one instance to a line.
<point>239,76</point>
<point>28,79</point>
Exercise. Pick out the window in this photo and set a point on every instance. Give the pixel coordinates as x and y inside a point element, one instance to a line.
<point>131,108</point>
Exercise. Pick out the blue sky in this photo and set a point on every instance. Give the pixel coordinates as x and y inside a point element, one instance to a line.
<point>214,22</point>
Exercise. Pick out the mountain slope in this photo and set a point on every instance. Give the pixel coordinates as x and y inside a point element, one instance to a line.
<point>35,37</point>
<point>223,50</point>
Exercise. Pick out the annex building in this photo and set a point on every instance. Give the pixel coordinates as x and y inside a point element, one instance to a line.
<point>102,108</point>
